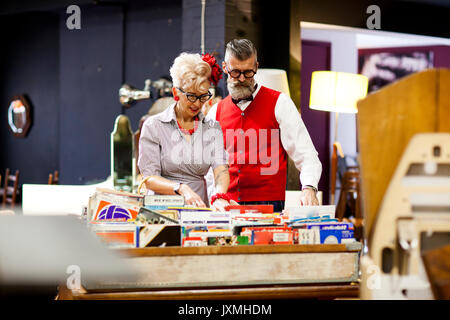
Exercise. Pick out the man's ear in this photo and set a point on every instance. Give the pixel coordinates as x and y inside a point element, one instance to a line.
<point>223,67</point>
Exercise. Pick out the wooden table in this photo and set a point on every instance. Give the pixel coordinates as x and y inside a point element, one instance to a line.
<point>235,272</point>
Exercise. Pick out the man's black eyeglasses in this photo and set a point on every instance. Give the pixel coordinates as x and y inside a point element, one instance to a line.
<point>192,97</point>
<point>237,73</point>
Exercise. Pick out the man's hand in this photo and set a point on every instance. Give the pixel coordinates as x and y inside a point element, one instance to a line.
<point>309,198</point>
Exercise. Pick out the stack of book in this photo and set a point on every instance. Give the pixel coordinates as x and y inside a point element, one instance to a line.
<point>111,215</point>
<point>199,227</point>
<point>296,225</point>
<point>107,205</point>
<point>124,220</point>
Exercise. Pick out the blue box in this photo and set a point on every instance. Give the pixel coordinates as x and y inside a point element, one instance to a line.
<point>342,232</point>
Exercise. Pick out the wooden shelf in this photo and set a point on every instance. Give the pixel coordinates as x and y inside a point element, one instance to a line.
<point>245,249</point>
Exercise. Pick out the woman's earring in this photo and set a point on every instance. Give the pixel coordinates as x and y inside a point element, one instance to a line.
<point>176,98</point>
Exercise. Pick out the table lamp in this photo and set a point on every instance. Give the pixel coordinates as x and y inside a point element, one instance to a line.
<point>336,92</point>
<point>275,79</point>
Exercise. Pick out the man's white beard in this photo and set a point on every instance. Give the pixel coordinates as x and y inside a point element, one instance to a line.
<point>239,90</point>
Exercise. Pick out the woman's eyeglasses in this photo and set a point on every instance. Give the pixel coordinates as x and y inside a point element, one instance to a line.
<point>192,97</point>
<point>237,73</point>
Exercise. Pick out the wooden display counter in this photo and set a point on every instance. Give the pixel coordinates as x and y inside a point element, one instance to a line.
<point>234,272</point>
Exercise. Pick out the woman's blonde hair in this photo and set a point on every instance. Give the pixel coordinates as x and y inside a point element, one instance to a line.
<point>190,71</point>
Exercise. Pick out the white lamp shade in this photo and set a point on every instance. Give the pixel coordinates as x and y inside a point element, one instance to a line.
<point>337,91</point>
<point>275,79</point>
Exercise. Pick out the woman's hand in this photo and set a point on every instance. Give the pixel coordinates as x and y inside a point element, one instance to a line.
<point>190,197</point>
<point>220,204</point>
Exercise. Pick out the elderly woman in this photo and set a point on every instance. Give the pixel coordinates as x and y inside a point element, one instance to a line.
<point>177,146</point>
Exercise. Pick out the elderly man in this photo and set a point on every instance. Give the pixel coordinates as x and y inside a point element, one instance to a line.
<point>261,127</point>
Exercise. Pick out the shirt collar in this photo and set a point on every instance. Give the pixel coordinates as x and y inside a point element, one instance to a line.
<point>169,114</point>
<point>256,90</point>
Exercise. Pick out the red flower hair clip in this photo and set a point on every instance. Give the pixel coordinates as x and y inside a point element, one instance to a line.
<point>216,71</point>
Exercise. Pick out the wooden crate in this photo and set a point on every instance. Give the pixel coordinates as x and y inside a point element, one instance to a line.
<point>228,266</point>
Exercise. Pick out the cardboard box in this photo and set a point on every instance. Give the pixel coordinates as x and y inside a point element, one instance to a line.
<point>324,233</point>
<point>108,204</point>
<point>109,210</point>
<point>131,235</point>
<point>269,235</point>
<point>116,234</point>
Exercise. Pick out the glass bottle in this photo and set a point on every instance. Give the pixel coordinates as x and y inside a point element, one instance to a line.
<point>122,155</point>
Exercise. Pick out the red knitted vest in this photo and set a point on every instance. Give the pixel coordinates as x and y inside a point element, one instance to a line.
<point>257,160</point>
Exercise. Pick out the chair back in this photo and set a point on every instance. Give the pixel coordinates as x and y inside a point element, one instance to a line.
<point>349,199</point>
<point>10,188</point>
<point>349,204</point>
<point>53,178</point>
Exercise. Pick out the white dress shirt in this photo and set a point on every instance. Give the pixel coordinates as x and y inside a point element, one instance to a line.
<point>294,137</point>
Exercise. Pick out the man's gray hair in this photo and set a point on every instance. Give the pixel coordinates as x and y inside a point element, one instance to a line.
<point>242,49</point>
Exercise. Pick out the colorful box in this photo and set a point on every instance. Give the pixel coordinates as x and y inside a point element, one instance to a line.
<point>194,242</point>
<point>269,235</point>
<point>116,234</point>
<point>324,233</point>
<point>109,210</point>
<point>131,235</point>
